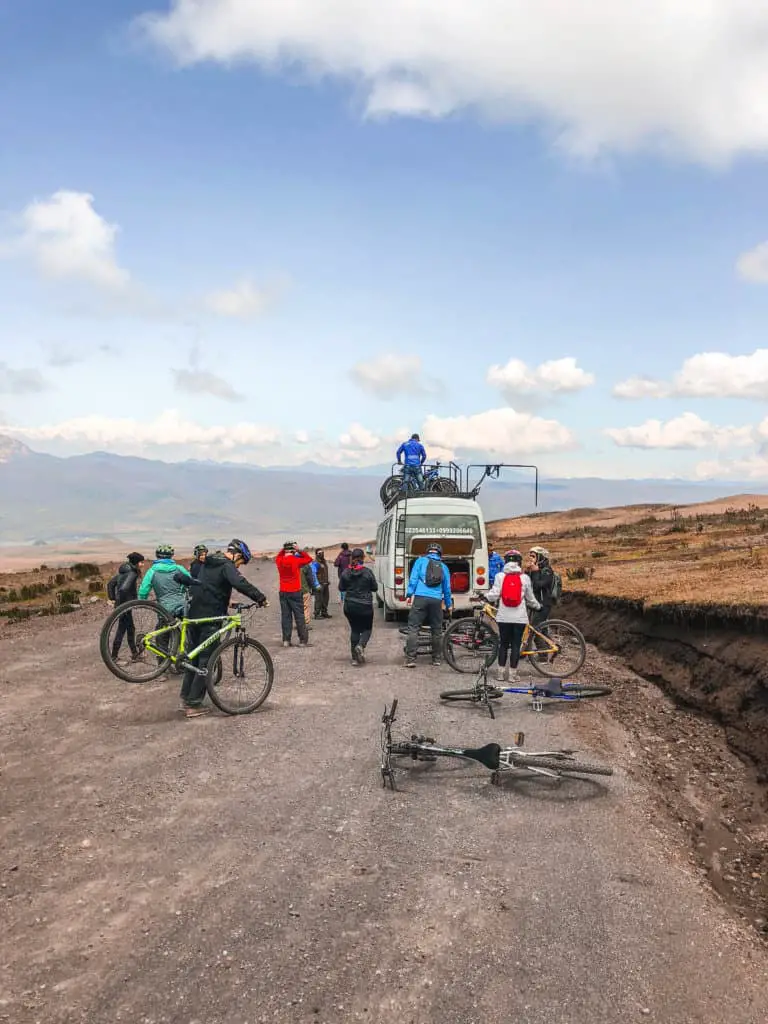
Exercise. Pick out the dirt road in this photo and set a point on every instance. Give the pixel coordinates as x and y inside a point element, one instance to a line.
<point>234,871</point>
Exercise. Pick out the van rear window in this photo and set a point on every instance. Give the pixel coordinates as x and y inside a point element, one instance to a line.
<point>436,527</point>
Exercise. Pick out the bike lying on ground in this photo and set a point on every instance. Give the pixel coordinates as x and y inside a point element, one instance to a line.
<point>497,759</point>
<point>424,637</point>
<point>555,648</point>
<point>484,692</point>
<point>239,674</point>
<point>399,484</point>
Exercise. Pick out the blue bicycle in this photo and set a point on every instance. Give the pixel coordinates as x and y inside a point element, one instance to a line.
<point>400,484</point>
<point>484,692</point>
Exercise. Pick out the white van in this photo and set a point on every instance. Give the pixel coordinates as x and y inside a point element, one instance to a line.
<point>403,535</point>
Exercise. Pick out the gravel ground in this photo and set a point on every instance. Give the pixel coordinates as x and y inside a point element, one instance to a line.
<point>233,871</point>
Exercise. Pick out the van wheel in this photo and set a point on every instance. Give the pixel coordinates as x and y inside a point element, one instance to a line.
<point>379,602</point>
<point>389,615</point>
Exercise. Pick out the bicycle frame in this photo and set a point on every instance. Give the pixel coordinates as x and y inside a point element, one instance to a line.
<point>538,694</point>
<point>233,622</point>
<point>488,611</point>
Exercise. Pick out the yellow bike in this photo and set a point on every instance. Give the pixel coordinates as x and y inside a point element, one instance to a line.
<point>555,648</point>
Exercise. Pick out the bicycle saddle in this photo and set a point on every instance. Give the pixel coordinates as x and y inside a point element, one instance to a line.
<point>553,688</point>
<point>487,755</point>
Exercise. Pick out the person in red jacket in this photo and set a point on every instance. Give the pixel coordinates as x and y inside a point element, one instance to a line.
<point>290,561</point>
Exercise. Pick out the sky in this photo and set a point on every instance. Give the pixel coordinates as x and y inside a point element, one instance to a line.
<point>278,232</point>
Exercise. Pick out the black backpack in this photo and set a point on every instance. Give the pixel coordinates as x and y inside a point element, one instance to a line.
<point>112,586</point>
<point>433,575</point>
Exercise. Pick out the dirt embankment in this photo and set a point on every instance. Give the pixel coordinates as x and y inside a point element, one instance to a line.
<point>716,665</point>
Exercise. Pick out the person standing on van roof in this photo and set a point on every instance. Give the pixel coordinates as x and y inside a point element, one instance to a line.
<point>414,454</point>
<point>429,587</point>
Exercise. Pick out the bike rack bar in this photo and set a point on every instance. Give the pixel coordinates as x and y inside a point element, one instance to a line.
<point>491,471</point>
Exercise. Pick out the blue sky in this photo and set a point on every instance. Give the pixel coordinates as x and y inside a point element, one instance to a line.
<point>422,204</point>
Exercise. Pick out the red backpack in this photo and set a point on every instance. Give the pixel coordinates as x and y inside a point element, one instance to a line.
<point>512,590</point>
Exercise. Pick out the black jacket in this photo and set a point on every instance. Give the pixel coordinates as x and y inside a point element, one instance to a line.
<point>195,567</point>
<point>218,577</point>
<point>542,581</point>
<point>128,583</point>
<point>358,586</point>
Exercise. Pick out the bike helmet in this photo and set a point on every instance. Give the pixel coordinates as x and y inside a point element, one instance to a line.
<point>239,547</point>
<point>435,548</point>
<point>200,549</point>
<point>513,556</point>
<point>541,552</point>
<point>164,551</point>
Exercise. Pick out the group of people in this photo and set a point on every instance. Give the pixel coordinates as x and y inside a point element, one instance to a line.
<point>516,584</point>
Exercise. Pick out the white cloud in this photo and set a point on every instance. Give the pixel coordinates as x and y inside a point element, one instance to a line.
<point>203,382</point>
<point>243,301</point>
<point>361,438</point>
<point>503,432</point>
<point>687,431</point>
<point>67,238</point>
<point>706,375</point>
<point>555,377</point>
<point>169,429</point>
<point>611,75</point>
<point>392,374</point>
<point>752,467</point>
<point>753,265</point>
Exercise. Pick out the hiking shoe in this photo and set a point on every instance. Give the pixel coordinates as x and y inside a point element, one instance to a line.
<point>436,663</point>
<point>362,654</point>
<point>196,712</point>
<point>287,643</point>
<point>410,663</point>
<point>306,643</point>
<point>357,654</point>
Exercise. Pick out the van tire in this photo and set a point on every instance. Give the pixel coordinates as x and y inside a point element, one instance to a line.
<point>379,602</point>
<point>389,615</point>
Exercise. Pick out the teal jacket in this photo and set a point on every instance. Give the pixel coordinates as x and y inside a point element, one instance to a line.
<point>160,578</point>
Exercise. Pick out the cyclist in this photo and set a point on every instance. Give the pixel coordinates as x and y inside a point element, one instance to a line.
<point>200,552</point>
<point>415,456</point>
<point>357,587</point>
<point>161,578</point>
<point>219,576</point>
<point>543,580</point>
<point>495,564</point>
<point>123,585</point>
<point>514,593</point>
<point>429,587</point>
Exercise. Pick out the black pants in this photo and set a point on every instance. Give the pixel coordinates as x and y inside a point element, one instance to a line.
<point>125,626</point>
<point>427,610</point>
<point>360,619</point>
<point>292,610</point>
<point>510,638</point>
<point>322,598</point>
<point>193,685</point>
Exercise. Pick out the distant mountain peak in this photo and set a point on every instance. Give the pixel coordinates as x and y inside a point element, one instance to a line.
<point>10,448</point>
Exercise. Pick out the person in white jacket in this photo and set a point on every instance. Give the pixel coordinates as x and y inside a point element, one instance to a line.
<point>513,591</point>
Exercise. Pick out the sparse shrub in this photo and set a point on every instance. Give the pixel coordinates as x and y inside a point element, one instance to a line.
<point>81,570</point>
<point>599,554</point>
<point>43,568</point>
<point>580,572</point>
<point>66,597</point>
<point>95,586</point>
<point>60,579</point>
<point>647,521</point>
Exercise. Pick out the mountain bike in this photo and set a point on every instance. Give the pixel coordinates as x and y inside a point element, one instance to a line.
<point>239,674</point>
<point>397,484</point>
<point>484,692</point>
<point>555,648</point>
<point>497,759</point>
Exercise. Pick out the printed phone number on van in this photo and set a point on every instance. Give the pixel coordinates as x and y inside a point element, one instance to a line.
<point>441,529</point>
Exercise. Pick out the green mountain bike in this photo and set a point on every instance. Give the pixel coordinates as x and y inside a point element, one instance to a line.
<point>140,641</point>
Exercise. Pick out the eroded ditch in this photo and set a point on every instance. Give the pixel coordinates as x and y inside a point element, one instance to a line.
<point>705,701</point>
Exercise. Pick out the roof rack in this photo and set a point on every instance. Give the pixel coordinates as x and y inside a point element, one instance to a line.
<point>460,481</point>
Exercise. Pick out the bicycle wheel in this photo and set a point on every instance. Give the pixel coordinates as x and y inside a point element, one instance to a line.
<point>390,488</point>
<point>123,638</point>
<point>571,650</point>
<point>245,672</point>
<point>470,643</point>
<point>470,695</point>
<point>564,767</point>
<point>586,692</point>
<point>443,485</point>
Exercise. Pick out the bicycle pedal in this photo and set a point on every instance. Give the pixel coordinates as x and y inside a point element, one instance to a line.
<point>537,704</point>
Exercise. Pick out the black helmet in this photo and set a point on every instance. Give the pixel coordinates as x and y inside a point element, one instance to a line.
<point>434,548</point>
<point>200,549</point>
<point>239,547</point>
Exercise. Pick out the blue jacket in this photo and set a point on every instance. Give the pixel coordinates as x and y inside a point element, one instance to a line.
<point>415,454</point>
<point>417,586</point>
<point>495,566</point>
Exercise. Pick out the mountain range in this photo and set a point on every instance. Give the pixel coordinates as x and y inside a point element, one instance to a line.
<point>101,496</point>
